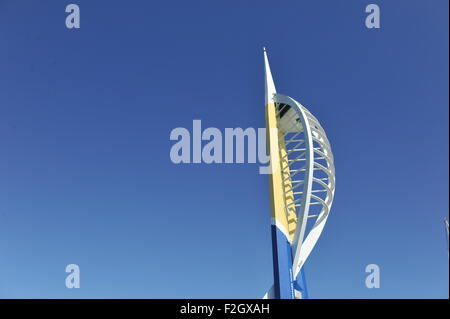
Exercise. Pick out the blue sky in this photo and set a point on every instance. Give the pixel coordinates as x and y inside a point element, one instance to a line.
<point>85,172</point>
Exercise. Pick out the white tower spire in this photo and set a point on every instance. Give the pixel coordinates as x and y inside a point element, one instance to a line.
<point>270,86</point>
<point>302,183</point>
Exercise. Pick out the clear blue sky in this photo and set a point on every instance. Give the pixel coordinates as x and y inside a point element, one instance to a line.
<point>85,118</point>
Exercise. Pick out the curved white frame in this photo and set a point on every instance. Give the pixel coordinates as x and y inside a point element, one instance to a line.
<point>318,158</point>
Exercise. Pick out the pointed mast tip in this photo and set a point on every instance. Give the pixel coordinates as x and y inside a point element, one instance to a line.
<point>270,86</point>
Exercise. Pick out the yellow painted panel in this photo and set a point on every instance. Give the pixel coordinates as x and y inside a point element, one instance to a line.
<point>287,190</point>
<point>280,191</point>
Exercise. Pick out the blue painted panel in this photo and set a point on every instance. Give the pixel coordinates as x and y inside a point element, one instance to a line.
<point>282,265</point>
